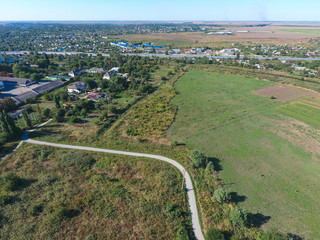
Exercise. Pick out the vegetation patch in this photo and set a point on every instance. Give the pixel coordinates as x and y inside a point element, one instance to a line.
<point>67,194</point>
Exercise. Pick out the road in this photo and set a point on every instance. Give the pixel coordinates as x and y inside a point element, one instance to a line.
<point>165,56</point>
<point>189,186</point>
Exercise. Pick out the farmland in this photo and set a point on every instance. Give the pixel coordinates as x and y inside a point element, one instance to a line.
<point>65,194</point>
<point>269,159</point>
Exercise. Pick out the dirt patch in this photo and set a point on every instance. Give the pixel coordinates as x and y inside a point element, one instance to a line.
<point>285,93</point>
<point>299,134</point>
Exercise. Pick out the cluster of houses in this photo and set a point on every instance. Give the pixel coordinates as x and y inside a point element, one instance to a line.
<point>299,68</point>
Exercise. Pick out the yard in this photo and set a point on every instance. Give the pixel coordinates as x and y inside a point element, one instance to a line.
<point>261,157</point>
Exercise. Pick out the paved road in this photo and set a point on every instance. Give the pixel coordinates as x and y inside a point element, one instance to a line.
<point>189,187</point>
<point>165,56</point>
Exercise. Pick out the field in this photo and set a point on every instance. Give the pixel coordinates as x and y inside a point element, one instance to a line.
<point>306,110</point>
<point>302,30</point>
<point>66,194</point>
<point>199,39</point>
<point>285,93</point>
<point>269,159</point>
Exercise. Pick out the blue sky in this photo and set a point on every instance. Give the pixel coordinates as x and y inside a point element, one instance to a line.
<point>209,10</point>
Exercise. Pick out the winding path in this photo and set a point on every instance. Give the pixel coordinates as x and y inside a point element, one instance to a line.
<point>189,186</point>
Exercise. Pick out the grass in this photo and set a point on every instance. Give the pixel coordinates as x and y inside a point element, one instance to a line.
<point>311,31</point>
<point>220,115</point>
<point>78,195</point>
<point>306,110</point>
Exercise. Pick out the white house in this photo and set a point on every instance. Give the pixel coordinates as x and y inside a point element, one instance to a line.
<point>75,72</point>
<point>77,87</point>
<point>96,70</point>
<point>112,71</point>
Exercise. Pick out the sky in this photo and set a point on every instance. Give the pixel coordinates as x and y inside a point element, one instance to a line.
<point>158,10</point>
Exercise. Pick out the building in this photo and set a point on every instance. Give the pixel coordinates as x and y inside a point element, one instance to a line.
<point>16,81</point>
<point>77,87</point>
<point>112,72</point>
<point>96,70</point>
<point>48,87</point>
<point>57,77</point>
<point>75,72</point>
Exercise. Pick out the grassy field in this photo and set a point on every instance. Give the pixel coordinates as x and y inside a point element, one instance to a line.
<point>302,30</point>
<point>66,194</point>
<point>306,110</point>
<point>260,160</point>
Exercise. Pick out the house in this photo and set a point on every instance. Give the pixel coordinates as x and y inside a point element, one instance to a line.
<point>16,81</point>
<point>77,87</point>
<point>1,85</point>
<point>75,72</point>
<point>110,73</point>
<point>96,70</point>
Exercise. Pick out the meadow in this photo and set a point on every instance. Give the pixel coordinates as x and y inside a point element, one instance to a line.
<point>261,158</point>
<point>66,194</point>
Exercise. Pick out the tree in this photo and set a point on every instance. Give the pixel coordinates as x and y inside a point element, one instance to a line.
<point>239,217</point>
<point>8,125</point>
<point>214,234</point>
<point>46,113</point>
<point>27,120</point>
<point>221,195</point>
<point>59,116</point>
<point>182,233</point>
<point>199,160</point>
<point>273,234</point>
<point>57,101</point>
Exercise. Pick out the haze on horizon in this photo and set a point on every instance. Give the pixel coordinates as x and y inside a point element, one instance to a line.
<point>165,10</point>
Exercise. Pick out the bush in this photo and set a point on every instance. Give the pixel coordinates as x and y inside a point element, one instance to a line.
<point>46,113</point>
<point>273,234</point>
<point>199,160</point>
<point>182,233</point>
<point>75,119</point>
<point>214,234</point>
<point>239,217</point>
<point>81,160</point>
<point>221,195</point>
<point>11,182</point>
<point>35,210</point>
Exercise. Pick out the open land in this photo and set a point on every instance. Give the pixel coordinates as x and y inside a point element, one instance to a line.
<point>68,194</point>
<point>262,158</point>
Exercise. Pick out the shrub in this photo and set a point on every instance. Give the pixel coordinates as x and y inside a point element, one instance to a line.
<point>199,160</point>
<point>221,195</point>
<point>239,217</point>
<point>75,119</point>
<point>35,210</point>
<point>273,234</point>
<point>11,182</point>
<point>182,233</point>
<point>214,234</point>
<point>46,113</point>
<point>81,160</point>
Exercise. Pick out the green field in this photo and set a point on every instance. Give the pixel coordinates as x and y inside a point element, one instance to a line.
<point>311,31</point>
<point>67,194</point>
<point>306,110</point>
<point>221,116</point>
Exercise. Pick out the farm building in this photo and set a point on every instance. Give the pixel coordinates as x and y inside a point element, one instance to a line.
<point>48,87</point>
<point>16,81</point>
